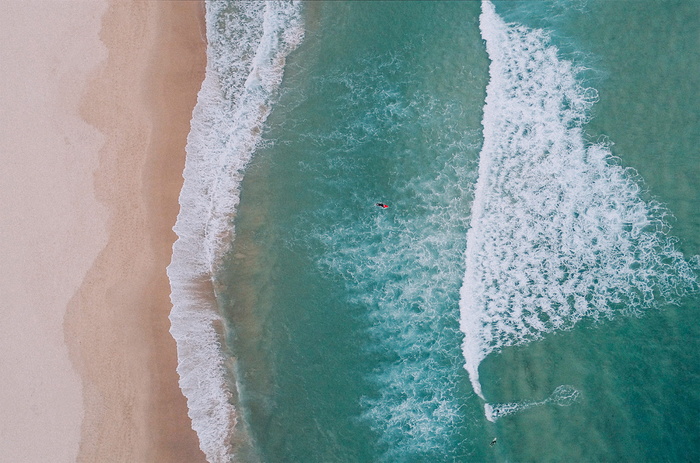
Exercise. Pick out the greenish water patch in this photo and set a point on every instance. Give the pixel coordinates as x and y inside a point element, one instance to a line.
<point>344,316</point>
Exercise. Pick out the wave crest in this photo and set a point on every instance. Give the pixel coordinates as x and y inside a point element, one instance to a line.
<point>558,231</point>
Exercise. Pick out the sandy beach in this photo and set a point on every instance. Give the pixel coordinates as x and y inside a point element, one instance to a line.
<point>97,99</point>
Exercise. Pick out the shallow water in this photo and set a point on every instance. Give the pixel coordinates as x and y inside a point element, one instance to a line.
<point>344,318</point>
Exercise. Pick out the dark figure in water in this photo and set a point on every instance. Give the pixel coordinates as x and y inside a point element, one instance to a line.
<point>384,206</point>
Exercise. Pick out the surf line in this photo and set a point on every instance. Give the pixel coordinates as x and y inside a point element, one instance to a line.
<point>557,232</point>
<point>512,70</point>
<point>246,55</point>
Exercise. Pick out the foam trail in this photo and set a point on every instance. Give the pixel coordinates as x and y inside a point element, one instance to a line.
<point>558,231</point>
<point>247,46</point>
<point>563,396</point>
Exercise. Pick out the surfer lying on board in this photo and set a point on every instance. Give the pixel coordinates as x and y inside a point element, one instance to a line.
<point>382,205</point>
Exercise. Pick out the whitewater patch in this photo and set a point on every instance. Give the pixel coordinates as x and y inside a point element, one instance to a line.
<point>559,230</point>
<point>247,46</point>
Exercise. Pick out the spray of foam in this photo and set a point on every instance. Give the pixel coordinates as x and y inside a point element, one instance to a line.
<point>247,46</point>
<point>558,230</point>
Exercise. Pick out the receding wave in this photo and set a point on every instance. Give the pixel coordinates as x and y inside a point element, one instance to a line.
<point>247,46</point>
<point>559,231</point>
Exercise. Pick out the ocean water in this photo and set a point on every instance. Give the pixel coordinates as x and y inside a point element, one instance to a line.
<point>531,292</point>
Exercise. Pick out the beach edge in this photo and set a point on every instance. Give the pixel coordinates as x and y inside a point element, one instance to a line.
<point>116,326</point>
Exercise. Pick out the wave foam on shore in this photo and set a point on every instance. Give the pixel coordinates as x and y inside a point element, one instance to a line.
<point>247,46</point>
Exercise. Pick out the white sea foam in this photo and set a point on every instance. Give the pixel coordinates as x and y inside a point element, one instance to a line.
<point>558,230</point>
<point>248,43</point>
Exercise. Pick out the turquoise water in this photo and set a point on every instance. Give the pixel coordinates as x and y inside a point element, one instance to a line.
<point>348,292</point>
<point>638,377</point>
<point>546,240</point>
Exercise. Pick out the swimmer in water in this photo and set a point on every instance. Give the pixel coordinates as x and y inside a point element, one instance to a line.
<point>382,205</point>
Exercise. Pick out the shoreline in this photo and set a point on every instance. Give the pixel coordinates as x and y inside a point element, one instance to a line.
<point>116,326</point>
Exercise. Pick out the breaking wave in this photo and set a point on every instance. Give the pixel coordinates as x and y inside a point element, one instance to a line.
<point>559,230</point>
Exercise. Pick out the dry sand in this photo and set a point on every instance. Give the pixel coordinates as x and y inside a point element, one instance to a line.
<point>96,101</point>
